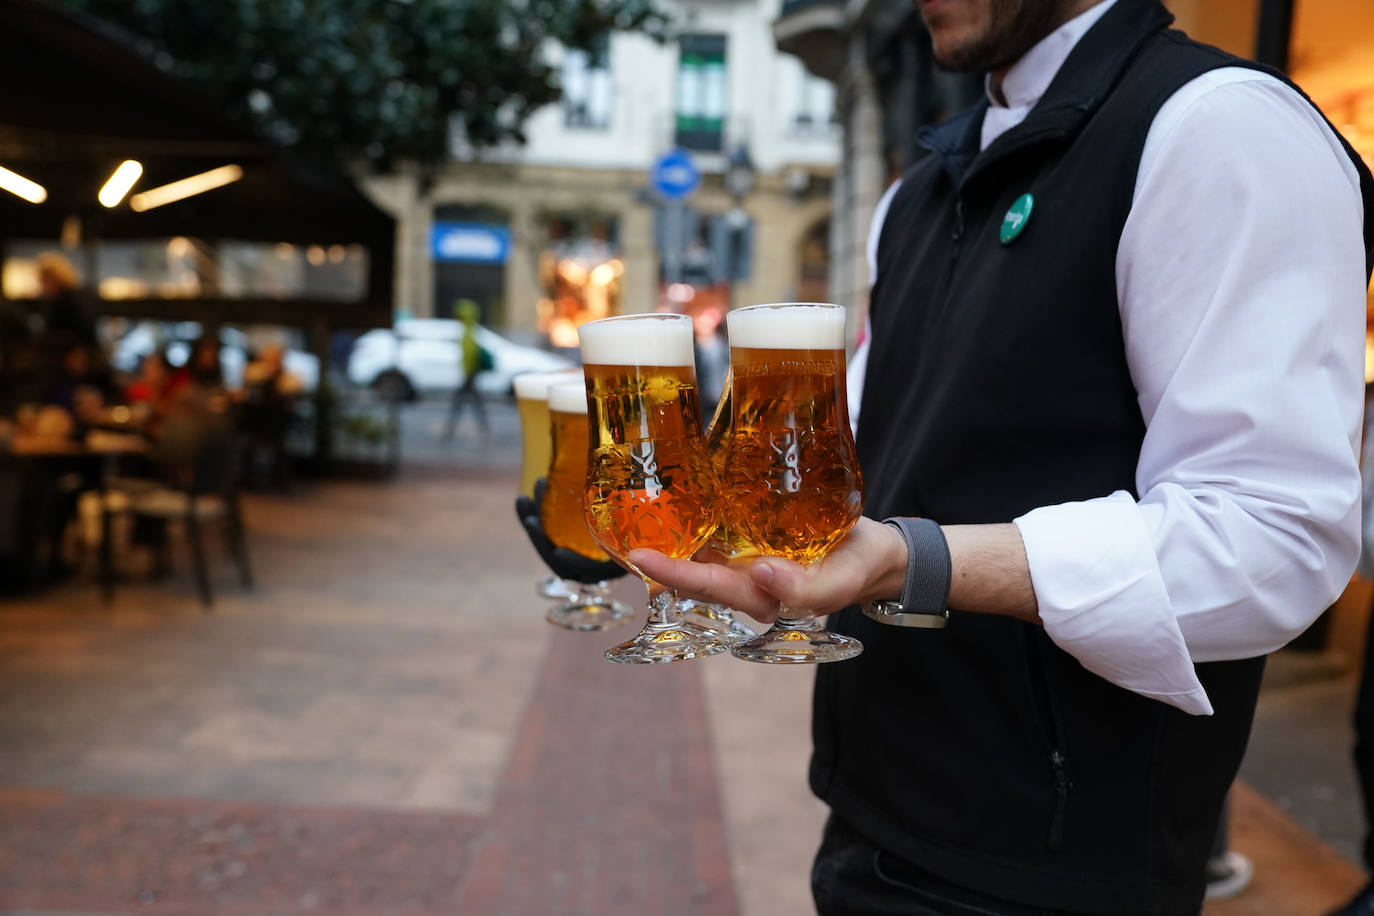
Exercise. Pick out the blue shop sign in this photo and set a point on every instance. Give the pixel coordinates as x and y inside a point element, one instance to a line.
<point>471,243</point>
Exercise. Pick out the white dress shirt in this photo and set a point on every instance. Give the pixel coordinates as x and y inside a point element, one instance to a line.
<point>1240,283</point>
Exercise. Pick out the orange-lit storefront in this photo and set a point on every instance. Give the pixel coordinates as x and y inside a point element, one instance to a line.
<point>1327,47</point>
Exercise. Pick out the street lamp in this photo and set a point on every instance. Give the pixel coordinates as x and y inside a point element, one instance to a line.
<point>739,174</point>
<point>739,181</point>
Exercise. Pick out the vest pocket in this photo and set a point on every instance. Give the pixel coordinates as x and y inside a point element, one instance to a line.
<point>1051,730</point>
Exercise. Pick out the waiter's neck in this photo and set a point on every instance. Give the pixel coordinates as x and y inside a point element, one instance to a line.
<point>1067,10</point>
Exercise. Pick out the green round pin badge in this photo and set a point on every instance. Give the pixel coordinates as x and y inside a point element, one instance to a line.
<point>1014,223</point>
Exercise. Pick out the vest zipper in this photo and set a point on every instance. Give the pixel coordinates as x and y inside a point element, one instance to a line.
<point>1061,788</point>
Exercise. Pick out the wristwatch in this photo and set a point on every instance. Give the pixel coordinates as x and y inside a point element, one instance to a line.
<point>893,614</point>
<point>926,591</point>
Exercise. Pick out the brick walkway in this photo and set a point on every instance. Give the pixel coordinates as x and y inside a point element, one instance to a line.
<point>387,726</point>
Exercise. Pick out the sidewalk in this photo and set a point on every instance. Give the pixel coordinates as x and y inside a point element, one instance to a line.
<point>387,726</point>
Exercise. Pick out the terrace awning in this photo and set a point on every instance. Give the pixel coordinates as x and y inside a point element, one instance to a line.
<point>77,99</point>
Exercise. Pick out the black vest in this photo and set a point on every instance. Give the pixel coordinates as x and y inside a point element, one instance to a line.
<point>998,382</point>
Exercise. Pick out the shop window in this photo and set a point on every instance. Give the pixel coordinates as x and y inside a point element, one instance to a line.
<point>580,273</point>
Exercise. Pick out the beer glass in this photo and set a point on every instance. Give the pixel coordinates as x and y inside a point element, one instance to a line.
<point>649,478</point>
<point>790,469</point>
<point>532,401</point>
<point>724,540</point>
<point>588,607</point>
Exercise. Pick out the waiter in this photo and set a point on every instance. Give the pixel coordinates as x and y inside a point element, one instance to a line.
<point>1112,408</point>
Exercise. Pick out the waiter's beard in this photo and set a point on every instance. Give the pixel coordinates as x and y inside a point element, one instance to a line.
<point>1014,27</point>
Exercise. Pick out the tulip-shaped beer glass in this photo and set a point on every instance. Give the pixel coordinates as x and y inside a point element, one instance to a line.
<point>649,478</point>
<point>588,607</point>
<point>790,470</point>
<point>532,400</point>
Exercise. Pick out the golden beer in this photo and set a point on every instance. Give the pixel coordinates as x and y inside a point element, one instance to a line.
<point>650,482</point>
<point>726,540</point>
<point>561,513</point>
<point>791,470</point>
<point>531,399</point>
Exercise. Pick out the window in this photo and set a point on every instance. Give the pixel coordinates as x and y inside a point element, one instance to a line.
<point>814,110</point>
<point>587,86</point>
<point>701,92</point>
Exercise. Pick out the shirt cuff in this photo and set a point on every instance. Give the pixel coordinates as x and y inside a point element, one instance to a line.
<point>1102,598</point>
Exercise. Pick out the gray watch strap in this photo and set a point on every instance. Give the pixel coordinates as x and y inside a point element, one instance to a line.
<point>925,595</point>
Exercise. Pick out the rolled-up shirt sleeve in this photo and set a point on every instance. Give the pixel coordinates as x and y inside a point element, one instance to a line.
<point>1241,285</point>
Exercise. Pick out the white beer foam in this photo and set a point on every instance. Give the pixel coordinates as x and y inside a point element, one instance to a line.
<point>788,326</point>
<point>566,397</point>
<point>637,340</point>
<point>534,386</point>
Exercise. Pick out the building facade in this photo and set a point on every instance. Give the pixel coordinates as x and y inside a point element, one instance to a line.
<point>572,225</point>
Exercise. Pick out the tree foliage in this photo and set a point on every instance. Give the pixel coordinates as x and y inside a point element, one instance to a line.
<point>375,80</point>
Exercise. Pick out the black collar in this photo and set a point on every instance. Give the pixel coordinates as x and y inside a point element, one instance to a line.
<point>1083,82</point>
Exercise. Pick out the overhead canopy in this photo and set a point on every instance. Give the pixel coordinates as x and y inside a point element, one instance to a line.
<point>76,99</point>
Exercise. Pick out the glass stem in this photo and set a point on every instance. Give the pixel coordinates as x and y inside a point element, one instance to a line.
<point>663,610</point>
<point>580,596</point>
<point>793,619</point>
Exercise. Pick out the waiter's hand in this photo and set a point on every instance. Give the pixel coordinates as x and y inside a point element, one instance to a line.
<point>870,563</point>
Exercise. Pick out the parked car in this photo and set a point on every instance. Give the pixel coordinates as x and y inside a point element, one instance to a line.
<point>423,355</point>
<point>177,339</point>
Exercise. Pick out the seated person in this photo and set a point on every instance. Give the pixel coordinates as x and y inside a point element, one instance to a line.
<point>81,384</point>
<point>266,378</point>
<point>156,387</point>
<point>203,365</point>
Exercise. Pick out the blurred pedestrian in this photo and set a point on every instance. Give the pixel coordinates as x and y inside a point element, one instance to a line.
<point>474,359</point>
<point>1095,427</point>
<point>1228,872</point>
<point>712,357</point>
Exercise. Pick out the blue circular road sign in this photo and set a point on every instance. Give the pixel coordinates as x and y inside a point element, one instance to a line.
<point>675,175</point>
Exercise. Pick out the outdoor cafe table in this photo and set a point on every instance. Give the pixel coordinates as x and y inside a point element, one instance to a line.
<point>97,454</point>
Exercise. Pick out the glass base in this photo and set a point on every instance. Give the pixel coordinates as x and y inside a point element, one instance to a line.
<point>797,641</point>
<point>715,617</point>
<point>552,587</point>
<point>589,615</point>
<point>671,643</point>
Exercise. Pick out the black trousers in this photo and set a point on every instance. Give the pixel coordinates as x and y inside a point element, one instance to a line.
<point>853,877</point>
<point>1364,744</point>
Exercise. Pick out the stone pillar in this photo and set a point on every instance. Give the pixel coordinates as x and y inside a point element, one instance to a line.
<point>522,265</point>
<point>858,186</point>
<point>398,195</point>
<point>639,286</point>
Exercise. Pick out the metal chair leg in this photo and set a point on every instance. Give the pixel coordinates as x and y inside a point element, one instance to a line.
<point>198,552</point>
<point>238,542</point>
<point>106,553</point>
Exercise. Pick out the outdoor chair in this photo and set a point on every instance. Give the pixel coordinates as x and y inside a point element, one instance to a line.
<point>196,494</point>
